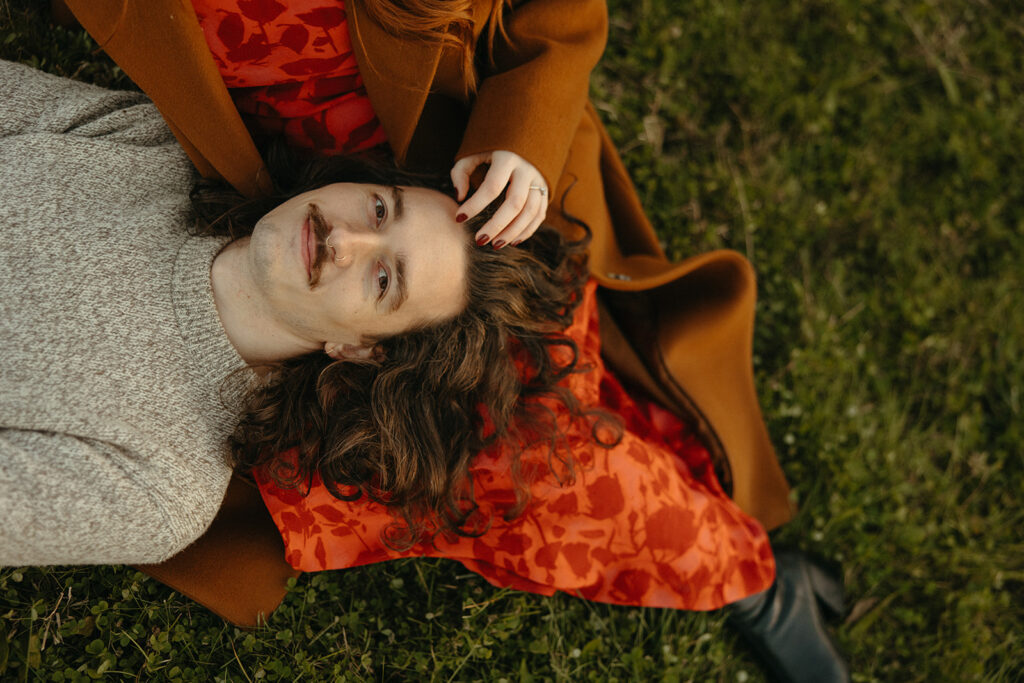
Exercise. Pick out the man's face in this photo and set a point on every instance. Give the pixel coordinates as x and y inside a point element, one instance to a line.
<point>350,261</point>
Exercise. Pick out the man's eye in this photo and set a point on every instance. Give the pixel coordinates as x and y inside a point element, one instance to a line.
<point>380,210</point>
<point>382,279</point>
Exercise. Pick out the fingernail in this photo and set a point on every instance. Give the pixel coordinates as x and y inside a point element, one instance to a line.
<point>498,244</point>
<point>460,218</point>
<point>482,240</point>
<point>516,243</point>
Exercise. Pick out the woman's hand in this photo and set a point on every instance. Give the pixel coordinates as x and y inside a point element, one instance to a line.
<point>526,201</point>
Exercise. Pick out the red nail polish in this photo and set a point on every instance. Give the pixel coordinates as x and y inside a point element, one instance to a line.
<point>516,243</point>
<point>482,240</point>
<point>460,218</point>
<point>498,244</point>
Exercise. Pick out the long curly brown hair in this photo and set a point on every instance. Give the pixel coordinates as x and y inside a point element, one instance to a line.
<point>403,429</point>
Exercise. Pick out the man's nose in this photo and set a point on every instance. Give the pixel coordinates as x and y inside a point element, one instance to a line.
<point>346,245</point>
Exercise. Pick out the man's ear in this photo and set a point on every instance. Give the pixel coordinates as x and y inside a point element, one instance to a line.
<point>352,351</point>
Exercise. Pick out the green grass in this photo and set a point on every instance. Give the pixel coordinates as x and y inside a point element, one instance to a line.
<point>865,156</point>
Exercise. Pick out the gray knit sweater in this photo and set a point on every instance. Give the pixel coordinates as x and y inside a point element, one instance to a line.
<point>113,420</point>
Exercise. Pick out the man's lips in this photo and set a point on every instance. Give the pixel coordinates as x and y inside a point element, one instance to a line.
<point>307,248</point>
<point>317,229</point>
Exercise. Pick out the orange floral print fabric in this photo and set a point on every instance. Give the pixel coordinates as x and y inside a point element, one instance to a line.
<point>643,523</point>
<point>290,70</point>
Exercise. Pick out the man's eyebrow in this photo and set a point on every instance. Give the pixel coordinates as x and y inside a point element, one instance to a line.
<point>396,199</point>
<point>402,289</point>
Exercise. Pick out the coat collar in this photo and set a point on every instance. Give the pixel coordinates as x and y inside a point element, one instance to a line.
<point>397,75</point>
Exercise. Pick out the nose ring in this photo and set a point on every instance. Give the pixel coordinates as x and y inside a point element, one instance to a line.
<point>338,260</point>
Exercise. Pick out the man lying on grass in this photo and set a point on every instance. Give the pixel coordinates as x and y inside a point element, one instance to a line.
<point>351,340</point>
<point>130,340</point>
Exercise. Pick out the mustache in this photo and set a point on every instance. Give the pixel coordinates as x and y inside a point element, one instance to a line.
<point>321,229</point>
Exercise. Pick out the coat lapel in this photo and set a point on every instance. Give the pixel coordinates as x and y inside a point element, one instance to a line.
<point>396,72</point>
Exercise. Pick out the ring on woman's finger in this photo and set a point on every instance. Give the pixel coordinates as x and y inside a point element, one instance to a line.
<point>540,188</point>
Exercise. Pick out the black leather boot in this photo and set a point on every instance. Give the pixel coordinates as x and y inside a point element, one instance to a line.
<point>785,625</point>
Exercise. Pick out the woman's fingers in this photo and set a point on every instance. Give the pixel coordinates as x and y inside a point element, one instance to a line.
<point>537,221</point>
<point>463,169</point>
<point>524,224</point>
<point>525,204</point>
<point>492,186</point>
<point>516,198</point>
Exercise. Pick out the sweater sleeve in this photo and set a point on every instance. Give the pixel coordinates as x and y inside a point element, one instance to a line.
<point>531,101</point>
<point>66,500</point>
<point>32,101</point>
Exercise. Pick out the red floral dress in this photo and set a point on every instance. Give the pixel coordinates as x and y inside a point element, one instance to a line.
<point>291,71</point>
<point>643,523</point>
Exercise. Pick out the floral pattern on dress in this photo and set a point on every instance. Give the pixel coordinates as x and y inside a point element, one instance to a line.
<point>643,523</point>
<point>291,71</point>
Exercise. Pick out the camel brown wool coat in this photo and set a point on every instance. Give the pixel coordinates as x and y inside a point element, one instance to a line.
<point>683,331</point>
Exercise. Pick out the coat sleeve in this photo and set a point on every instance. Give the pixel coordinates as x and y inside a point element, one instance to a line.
<point>531,100</point>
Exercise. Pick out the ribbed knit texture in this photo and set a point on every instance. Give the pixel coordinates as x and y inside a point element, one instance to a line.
<point>114,361</point>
